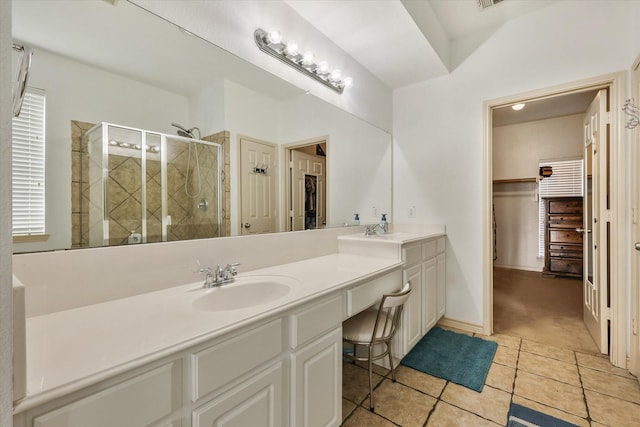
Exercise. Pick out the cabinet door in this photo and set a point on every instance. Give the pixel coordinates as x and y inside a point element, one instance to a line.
<point>429,294</point>
<point>411,326</point>
<point>441,274</point>
<point>316,382</point>
<point>256,402</point>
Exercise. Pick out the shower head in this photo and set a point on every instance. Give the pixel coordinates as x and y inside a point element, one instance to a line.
<point>187,133</point>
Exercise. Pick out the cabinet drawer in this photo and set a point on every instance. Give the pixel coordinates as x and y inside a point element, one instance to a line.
<point>215,366</point>
<point>565,221</point>
<point>139,401</point>
<point>564,236</point>
<point>565,265</point>
<point>315,320</point>
<point>411,255</point>
<point>429,249</point>
<point>565,206</point>
<point>370,293</point>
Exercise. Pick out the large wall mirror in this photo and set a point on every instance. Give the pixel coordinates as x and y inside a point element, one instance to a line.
<point>151,135</point>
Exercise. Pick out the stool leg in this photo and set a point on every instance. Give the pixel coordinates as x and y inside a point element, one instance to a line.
<point>393,371</point>
<point>371,378</point>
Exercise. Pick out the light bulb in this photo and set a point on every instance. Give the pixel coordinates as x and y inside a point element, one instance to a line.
<point>348,82</point>
<point>307,58</point>
<point>517,107</point>
<point>323,67</point>
<point>113,142</point>
<point>274,36</point>
<point>335,75</point>
<point>292,48</point>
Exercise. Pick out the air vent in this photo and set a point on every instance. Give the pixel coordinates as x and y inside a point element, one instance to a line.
<point>483,4</point>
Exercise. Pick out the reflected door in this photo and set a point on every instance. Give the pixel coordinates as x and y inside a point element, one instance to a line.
<point>595,285</point>
<point>308,195</point>
<point>257,187</point>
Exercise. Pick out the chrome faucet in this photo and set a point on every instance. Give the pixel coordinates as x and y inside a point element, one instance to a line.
<point>370,229</point>
<point>219,276</point>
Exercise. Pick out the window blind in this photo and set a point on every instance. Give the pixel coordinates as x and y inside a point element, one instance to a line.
<point>28,148</point>
<point>567,180</point>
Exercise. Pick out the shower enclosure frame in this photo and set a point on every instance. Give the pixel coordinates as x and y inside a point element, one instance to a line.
<point>165,221</point>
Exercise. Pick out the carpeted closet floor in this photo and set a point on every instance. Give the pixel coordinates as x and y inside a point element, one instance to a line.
<point>542,309</point>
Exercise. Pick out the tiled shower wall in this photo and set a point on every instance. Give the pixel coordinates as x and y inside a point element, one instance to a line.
<point>188,219</point>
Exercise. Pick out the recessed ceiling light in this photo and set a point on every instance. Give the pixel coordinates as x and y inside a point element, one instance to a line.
<point>517,107</point>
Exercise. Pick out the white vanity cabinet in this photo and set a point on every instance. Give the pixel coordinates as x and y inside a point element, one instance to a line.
<point>275,369</point>
<point>425,269</point>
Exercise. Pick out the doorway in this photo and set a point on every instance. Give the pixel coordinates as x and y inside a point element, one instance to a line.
<point>306,185</point>
<point>612,297</point>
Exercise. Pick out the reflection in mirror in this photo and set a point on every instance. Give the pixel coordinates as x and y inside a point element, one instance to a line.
<point>103,63</point>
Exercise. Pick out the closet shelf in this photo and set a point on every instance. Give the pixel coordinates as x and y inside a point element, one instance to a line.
<point>509,181</point>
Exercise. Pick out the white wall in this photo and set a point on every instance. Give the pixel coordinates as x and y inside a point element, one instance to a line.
<point>517,151</point>
<point>438,129</point>
<point>230,25</point>
<point>6,306</point>
<point>76,91</point>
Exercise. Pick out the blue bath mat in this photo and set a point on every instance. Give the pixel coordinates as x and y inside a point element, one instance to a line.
<point>521,416</point>
<point>454,357</point>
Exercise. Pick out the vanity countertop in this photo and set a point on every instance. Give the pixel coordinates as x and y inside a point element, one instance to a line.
<point>399,235</point>
<point>71,349</point>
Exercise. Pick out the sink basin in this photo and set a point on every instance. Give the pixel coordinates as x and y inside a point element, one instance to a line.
<point>244,292</point>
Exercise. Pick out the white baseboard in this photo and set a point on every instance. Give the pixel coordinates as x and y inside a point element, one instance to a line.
<point>463,326</point>
<point>520,267</point>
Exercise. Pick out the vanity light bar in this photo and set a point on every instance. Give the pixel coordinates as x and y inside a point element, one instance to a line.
<point>271,43</point>
<point>149,148</point>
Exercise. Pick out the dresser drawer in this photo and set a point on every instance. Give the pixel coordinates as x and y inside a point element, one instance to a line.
<point>565,206</point>
<point>565,221</point>
<point>566,265</point>
<point>567,251</point>
<point>564,236</point>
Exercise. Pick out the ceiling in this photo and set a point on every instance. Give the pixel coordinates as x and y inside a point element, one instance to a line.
<point>420,39</point>
<point>425,39</point>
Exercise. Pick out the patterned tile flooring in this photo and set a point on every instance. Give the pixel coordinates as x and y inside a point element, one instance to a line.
<point>584,389</point>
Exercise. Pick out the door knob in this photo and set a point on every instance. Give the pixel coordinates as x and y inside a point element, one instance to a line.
<point>580,230</point>
<point>247,225</point>
<point>637,246</point>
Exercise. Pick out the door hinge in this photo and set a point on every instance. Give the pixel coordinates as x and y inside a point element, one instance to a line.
<point>634,326</point>
<point>634,215</point>
<point>607,117</point>
<point>606,313</point>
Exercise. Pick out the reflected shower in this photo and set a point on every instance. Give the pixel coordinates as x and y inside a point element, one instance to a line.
<point>187,133</point>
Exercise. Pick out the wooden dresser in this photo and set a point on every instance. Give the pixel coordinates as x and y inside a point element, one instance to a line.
<point>563,244</point>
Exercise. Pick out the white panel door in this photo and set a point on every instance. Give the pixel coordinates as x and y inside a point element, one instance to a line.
<point>258,173</point>
<point>595,307</point>
<point>316,383</point>
<point>257,402</point>
<point>429,294</point>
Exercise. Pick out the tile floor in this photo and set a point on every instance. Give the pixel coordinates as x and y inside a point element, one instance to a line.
<point>581,388</point>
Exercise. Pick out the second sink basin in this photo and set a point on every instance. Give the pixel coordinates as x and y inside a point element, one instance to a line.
<point>244,292</point>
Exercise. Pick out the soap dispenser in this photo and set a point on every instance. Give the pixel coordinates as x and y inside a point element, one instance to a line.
<point>356,219</point>
<point>134,238</point>
<point>384,226</point>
